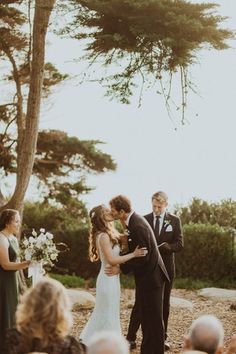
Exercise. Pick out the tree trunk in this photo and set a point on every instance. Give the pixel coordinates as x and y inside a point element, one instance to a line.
<point>42,13</point>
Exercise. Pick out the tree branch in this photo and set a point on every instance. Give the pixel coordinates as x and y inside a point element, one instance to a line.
<point>19,104</point>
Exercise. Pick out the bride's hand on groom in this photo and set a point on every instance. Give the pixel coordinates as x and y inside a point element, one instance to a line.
<point>112,270</point>
<point>140,252</point>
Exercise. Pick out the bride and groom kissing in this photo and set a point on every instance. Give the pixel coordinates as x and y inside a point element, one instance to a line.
<point>143,260</point>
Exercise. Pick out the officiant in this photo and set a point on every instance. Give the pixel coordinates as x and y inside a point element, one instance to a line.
<point>168,233</point>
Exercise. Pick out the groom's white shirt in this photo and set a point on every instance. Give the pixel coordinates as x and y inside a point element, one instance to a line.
<point>128,218</point>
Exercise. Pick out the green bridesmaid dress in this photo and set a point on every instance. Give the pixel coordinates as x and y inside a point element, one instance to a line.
<point>8,292</point>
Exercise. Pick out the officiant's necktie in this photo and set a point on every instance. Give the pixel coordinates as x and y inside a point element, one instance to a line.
<point>157,226</point>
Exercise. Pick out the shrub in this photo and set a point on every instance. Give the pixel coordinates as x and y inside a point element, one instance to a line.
<point>208,253</point>
<point>69,281</point>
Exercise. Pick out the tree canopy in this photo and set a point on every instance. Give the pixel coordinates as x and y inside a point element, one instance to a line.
<point>54,158</point>
<point>200,211</point>
<point>146,39</point>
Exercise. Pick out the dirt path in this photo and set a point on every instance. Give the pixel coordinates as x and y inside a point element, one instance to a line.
<point>180,319</point>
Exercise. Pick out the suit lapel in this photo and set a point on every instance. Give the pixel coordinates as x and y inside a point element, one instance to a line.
<point>164,225</point>
<point>151,220</point>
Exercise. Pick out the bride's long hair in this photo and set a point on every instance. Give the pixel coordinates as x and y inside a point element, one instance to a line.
<point>99,225</point>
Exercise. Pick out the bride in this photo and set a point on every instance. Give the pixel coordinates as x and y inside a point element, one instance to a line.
<point>105,244</point>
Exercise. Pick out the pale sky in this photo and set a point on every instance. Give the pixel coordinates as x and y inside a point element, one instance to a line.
<point>197,159</point>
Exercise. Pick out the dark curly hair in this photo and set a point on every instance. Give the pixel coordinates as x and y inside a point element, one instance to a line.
<point>6,217</point>
<point>121,202</point>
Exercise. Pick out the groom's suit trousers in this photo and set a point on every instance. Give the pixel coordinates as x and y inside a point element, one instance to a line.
<point>150,304</point>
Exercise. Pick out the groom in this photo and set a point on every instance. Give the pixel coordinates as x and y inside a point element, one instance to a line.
<point>168,233</point>
<point>149,272</point>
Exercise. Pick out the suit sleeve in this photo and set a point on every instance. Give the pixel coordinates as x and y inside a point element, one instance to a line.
<point>178,240</point>
<point>142,240</point>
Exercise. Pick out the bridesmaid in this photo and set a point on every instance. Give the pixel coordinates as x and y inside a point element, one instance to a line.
<point>9,226</point>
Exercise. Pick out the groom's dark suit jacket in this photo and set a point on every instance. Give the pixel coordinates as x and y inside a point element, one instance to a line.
<point>171,232</point>
<point>149,271</point>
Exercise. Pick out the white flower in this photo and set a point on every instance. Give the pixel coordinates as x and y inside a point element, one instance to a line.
<point>26,242</point>
<point>32,239</point>
<point>28,255</point>
<point>38,244</point>
<point>53,256</point>
<point>40,248</point>
<point>41,238</point>
<point>34,233</point>
<point>49,235</point>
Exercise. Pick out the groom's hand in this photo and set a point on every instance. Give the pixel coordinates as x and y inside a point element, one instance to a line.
<point>112,270</point>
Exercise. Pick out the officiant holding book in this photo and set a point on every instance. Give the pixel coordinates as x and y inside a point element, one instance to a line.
<point>168,233</point>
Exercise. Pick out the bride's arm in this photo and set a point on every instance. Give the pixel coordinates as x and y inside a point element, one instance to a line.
<point>106,248</point>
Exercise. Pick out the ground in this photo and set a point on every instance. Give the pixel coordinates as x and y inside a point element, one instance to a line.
<point>180,319</point>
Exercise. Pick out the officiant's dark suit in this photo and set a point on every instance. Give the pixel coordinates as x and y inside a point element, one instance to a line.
<point>169,240</point>
<point>150,275</point>
<point>171,233</point>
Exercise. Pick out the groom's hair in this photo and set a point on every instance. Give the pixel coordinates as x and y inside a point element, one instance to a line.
<point>121,202</point>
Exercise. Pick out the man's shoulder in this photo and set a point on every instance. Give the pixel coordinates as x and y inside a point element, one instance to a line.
<point>172,216</point>
<point>138,220</point>
<point>148,216</point>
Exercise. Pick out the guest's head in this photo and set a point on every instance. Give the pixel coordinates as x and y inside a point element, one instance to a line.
<point>101,222</point>
<point>206,334</point>
<point>120,207</point>
<point>44,313</point>
<point>159,202</point>
<point>10,221</point>
<point>107,342</point>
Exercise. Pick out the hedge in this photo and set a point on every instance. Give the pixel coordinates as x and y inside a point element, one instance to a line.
<point>209,253</point>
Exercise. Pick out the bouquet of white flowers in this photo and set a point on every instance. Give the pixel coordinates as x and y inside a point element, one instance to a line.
<point>41,250</point>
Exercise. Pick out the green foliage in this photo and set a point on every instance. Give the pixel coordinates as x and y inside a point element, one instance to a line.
<point>58,153</point>
<point>59,158</point>
<point>53,219</point>
<point>127,281</point>
<point>208,253</point>
<point>195,284</point>
<point>200,211</point>
<point>207,259</point>
<point>146,39</point>
<point>192,284</point>
<point>69,281</point>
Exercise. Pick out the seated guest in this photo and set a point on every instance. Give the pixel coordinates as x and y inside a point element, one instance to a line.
<point>206,334</point>
<point>43,322</point>
<point>232,346</point>
<point>107,342</point>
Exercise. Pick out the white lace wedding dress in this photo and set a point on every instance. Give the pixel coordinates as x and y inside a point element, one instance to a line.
<point>106,313</point>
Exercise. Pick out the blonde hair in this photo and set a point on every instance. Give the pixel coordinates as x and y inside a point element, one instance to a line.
<point>44,312</point>
<point>160,196</point>
<point>100,225</point>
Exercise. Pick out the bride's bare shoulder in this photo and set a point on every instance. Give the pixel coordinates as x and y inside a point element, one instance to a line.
<point>103,236</point>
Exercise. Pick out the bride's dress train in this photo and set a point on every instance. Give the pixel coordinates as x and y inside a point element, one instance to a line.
<point>106,313</point>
